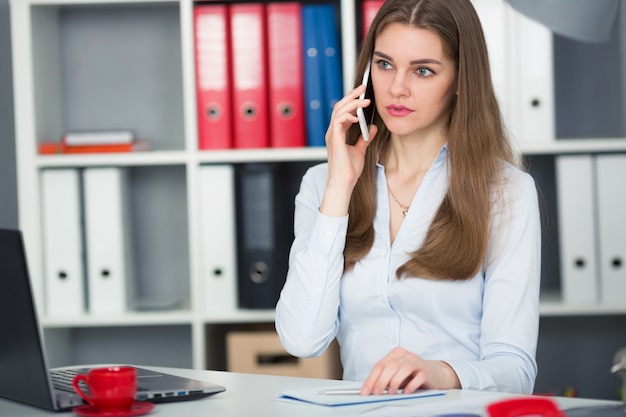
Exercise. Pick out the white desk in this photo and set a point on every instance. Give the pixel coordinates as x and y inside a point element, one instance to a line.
<point>250,395</point>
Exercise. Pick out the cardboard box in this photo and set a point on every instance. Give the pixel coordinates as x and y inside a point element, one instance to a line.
<point>260,352</point>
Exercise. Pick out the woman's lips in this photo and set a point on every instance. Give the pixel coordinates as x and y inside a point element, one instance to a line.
<point>398,111</point>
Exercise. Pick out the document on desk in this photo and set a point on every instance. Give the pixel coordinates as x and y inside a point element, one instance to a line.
<point>348,396</point>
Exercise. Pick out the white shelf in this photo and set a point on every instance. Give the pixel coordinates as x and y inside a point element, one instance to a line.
<point>242,316</point>
<point>554,309</point>
<point>84,2</point>
<point>127,319</point>
<point>153,158</point>
<point>588,145</point>
<point>262,155</point>
<point>117,159</point>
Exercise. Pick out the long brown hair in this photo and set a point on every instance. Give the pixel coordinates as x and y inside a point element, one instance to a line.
<point>457,239</point>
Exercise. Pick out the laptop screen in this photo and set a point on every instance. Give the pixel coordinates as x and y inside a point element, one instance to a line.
<point>23,375</point>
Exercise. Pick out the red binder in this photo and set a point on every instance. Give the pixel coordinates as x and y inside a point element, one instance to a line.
<point>215,130</point>
<point>369,8</point>
<point>286,76</point>
<point>249,72</point>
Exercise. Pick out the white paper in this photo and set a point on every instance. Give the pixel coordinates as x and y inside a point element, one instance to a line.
<point>315,396</point>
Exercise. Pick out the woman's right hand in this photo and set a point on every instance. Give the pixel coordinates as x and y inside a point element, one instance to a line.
<point>345,162</point>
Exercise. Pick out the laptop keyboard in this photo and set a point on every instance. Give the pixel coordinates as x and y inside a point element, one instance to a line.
<point>62,380</point>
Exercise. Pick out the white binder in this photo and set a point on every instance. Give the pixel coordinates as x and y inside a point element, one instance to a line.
<point>62,243</point>
<point>531,82</point>
<point>218,262</point>
<point>577,231</point>
<point>611,192</point>
<point>108,246</point>
<point>492,14</point>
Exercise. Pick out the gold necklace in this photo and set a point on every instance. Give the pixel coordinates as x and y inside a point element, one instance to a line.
<point>404,207</point>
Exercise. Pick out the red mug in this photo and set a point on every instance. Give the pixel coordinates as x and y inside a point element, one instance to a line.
<point>110,389</point>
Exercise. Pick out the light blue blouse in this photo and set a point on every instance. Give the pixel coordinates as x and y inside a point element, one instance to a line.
<point>485,327</point>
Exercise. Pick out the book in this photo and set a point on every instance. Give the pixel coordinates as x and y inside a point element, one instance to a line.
<point>52,148</point>
<point>113,137</point>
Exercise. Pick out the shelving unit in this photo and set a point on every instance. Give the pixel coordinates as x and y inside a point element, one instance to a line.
<point>103,64</point>
<point>100,64</point>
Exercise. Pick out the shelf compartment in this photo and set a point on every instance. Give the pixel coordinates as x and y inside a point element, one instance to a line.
<point>109,67</point>
<point>165,345</point>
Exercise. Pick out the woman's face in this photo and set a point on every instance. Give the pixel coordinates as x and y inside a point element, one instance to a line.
<point>413,81</point>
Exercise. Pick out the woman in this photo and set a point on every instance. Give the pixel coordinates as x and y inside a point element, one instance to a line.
<point>419,250</point>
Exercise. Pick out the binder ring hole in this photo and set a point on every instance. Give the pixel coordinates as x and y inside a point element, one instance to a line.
<point>217,272</point>
<point>62,275</point>
<point>259,272</point>
<point>285,110</point>
<point>579,263</point>
<point>105,273</point>
<point>617,263</point>
<point>214,111</point>
<point>249,111</point>
<point>535,102</point>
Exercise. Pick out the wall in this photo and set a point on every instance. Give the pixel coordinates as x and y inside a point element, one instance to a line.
<point>8,186</point>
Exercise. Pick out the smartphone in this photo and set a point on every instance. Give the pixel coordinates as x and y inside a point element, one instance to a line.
<point>359,111</point>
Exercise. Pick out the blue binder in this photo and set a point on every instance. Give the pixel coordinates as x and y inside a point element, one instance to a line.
<point>316,117</point>
<point>330,56</point>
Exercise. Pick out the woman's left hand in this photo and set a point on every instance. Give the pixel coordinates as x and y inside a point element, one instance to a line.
<point>401,369</point>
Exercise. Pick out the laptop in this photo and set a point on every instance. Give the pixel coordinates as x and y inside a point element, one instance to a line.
<point>25,376</point>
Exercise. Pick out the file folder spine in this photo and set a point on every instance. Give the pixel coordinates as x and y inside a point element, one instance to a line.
<point>611,192</point>
<point>369,9</point>
<point>313,88</point>
<point>64,268</point>
<point>284,26</point>
<point>213,81</point>
<point>330,57</point>
<point>265,194</point>
<point>219,267</point>
<point>577,236</point>
<point>532,118</point>
<point>110,287</point>
<point>256,235</point>
<point>249,66</point>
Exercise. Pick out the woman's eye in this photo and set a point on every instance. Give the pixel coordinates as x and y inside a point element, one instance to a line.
<point>424,72</point>
<point>383,64</point>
